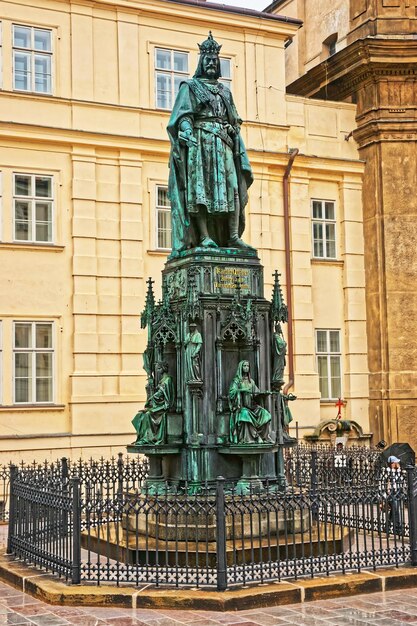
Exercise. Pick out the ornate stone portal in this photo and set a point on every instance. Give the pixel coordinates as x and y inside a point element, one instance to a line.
<point>215,354</point>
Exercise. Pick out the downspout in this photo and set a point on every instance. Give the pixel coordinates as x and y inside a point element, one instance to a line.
<point>288,273</point>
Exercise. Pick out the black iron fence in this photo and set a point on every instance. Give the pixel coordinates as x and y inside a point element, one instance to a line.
<point>97,522</point>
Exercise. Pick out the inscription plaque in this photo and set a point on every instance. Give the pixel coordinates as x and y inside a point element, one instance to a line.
<point>225,279</point>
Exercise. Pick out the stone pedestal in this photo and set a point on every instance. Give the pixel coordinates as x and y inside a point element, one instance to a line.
<point>221,291</point>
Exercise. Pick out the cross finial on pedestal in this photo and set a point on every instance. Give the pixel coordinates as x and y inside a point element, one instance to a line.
<point>148,310</point>
<point>279,309</point>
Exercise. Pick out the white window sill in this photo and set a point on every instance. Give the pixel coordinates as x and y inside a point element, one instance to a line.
<point>31,407</point>
<point>23,245</point>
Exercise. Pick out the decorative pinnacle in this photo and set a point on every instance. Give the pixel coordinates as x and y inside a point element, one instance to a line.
<point>279,309</point>
<point>209,46</point>
<point>147,312</point>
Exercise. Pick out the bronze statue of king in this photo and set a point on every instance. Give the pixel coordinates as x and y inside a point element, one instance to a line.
<point>209,168</point>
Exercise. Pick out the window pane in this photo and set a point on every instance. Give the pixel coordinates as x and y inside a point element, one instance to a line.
<point>43,365</point>
<point>329,210</point>
<point>163,91</point>
<point>317,230</point>
<point>43,211</point>
<point>335,376</point>
<point>318,249</point>
<point>43,187</point>
<point>164,229</point>
<point>22,185</point>
<point>163,59</point>
<point>23,336</point>
<point>331,240</point>
<point>23,389</point>
<point>180,62</point>
<point>317,209</point>
<point>334,341</point>
<point>163,197</point>
<point>43,221</point>
<point>44,390</point>
<point>23,231</point>
<point>43,335</point>
<point>22,210</point>
<point>43,232</point>
<point>23,225</point>
<point>42,73</point>
<point>323,376</point>
<point>225,68</point>
<point>22,74</point>
<point>21,36</point>
<point>331,250</point>
<point>43,40</point>
<point>321,341</point>
<point>22,365</point>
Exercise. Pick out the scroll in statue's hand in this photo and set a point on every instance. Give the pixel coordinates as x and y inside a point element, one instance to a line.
<point>186,137</point>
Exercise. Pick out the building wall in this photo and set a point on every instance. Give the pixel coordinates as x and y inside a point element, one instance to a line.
<point>321,19</point>
<point>100,136</point>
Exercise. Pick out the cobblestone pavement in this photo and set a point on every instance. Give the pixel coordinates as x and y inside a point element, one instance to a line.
<point>380,609</point>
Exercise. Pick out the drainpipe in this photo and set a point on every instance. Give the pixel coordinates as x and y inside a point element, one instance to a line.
<point>288,274</point>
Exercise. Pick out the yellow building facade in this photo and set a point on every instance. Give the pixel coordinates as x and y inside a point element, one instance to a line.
<point>84,102</point>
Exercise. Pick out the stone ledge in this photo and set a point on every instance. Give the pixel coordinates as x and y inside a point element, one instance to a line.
<point>52,590</point>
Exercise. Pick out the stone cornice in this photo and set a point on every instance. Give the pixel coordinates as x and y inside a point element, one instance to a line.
<point>198,12</point>
<point>379,131</point>
<point>362,61</point>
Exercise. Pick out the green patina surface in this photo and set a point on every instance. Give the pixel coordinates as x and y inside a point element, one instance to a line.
<point>215,355</point>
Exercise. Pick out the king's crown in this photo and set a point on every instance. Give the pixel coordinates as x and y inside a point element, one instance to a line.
<point>209,46</point>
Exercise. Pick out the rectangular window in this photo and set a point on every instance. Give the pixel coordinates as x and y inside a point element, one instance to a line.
<point>226,72</point>
<point>324,229</point>
<point>33,357</point>
<point>171,68</point>
<point>33,208</point>
<point>32,59</point>
<point>329,363</point>
<point>163,219</point>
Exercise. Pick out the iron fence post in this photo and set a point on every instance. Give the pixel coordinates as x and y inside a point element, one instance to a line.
<point>412,511</point>
<point>221,536</point>
<point>120,466</point>
<point>12,508</point>
<point>64,479</point>
<point>314,484</point>
<point>76,531</point>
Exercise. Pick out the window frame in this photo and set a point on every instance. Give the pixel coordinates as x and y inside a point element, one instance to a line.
<point>161,209</point>
<point>170,72</point>
<point>227,81</point>
<point>323,221</point>
<point>33,199</point>
<point>329,354</point>
<point>32,51</point>
<point>33,351</point>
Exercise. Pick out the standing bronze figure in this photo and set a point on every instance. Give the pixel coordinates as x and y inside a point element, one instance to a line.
<point>209,168</point>
<point>193,342</point>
